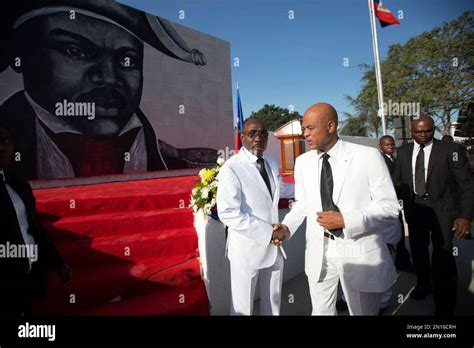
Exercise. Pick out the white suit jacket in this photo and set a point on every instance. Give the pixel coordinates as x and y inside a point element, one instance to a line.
<point>365,195</point>
<point>245,205</point>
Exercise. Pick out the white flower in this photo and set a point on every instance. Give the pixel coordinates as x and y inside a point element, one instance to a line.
<point>213,202</point>
<point>220,161</point>
<point>213,184</point>
<point>204,193</point>
<point>201,173</point>
<point>194,191</point>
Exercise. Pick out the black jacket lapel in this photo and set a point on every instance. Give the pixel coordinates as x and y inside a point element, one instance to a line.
<point>433,156</point>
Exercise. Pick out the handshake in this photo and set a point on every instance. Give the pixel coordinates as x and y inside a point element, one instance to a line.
<point>280,233</point>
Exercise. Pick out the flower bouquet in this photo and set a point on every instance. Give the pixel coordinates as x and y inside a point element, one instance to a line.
<point>203,196</point>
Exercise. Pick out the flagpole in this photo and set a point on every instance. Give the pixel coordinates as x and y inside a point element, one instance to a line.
<point>378,72</point>
<point>237,119</point>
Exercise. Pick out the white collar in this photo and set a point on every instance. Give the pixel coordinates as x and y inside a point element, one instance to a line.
<point>427,145</point>
<point>333,151</point>
<point>251,156</point>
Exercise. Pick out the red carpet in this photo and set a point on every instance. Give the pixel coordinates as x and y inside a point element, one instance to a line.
<point>132,247</point>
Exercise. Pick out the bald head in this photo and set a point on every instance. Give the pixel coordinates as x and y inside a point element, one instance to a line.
<point>422,129</point>
<point>324,111</point>
<point>320,126</point>
<point>253,121</point>
<point>423,119</point>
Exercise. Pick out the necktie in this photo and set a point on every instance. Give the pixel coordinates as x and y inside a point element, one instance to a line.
<point>326,187</point>
<point>264,174</point>
<point>420,185</point>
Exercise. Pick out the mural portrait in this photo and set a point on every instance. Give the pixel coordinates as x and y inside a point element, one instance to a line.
<point>77,111</point>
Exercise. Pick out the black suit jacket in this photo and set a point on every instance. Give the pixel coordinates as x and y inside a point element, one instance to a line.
<point>449,184</point>
<point>389,163</point>
<point>13,270</point>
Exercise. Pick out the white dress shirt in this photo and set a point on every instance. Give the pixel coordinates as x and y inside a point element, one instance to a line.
<point>427,151</point>
<point>53,163</point>
<point>21,214</point>
<point>254,159</point>
<point>390,157</point>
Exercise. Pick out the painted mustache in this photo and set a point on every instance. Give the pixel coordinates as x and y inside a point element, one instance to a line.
<point>106,98</point>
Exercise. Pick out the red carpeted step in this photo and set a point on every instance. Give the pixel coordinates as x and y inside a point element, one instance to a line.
<point>94,287</point>
<point>158,244</point>
<point>118,224</point>
<point>177,290</point>
<point>177,275</point>
<point>184,300</point>
<point>92,226</point>
<point>118,197</point>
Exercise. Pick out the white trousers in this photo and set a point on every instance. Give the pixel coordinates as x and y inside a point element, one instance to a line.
<point>324,292</point>
<point>243,283</point>
<point>384,298</point>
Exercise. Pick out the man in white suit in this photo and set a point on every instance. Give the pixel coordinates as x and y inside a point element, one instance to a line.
<point>247,202</point>
<point>346,193</point>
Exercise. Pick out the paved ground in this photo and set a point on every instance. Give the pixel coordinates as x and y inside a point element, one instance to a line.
<point>296,299</point>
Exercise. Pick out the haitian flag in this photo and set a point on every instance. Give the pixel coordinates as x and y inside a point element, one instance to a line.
<point>240,121</point>
<point>384,15</point>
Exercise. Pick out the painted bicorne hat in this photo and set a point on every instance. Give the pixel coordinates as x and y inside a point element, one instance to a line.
<point>156,31</point>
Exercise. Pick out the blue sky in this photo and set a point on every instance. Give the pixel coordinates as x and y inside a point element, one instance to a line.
<point>300,61</point>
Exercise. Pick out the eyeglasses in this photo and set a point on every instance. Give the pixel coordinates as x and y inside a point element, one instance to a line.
<point>253,134</point>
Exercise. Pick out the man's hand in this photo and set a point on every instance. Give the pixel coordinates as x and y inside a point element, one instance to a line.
<point>461,227</point>
<point>330,220</point>
<point>64,273</point>
<point>280,233</point>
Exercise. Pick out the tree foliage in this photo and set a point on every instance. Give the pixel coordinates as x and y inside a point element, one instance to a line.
<point>275,116</point>
<point>434,69</point>
<point>354,126</point>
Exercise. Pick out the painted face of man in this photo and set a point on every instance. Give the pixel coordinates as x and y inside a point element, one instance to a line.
<point>83,60</point>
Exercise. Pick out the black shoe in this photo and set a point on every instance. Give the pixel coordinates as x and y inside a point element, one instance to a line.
<point>420,293</point>
<point>382,310</point>
<point>341,305</point>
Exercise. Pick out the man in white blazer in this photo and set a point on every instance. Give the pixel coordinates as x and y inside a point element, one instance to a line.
<point>247,202</point>
<point>346,193</point>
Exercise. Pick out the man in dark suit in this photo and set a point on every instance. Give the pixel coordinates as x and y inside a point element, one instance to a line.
<point>26,252</point>
<point>402,256</point>
<point>432,178</point>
